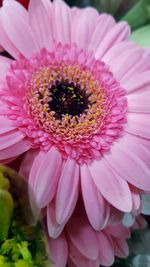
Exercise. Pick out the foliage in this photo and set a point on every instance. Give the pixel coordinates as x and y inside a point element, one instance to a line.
<point>135,12</point>
<point>22,243</point>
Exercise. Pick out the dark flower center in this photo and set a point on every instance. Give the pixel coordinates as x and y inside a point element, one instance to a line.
<point>67,99</point>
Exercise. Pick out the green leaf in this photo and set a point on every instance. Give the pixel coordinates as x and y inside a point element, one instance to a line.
<point>138,15</point>
<point>6,209</point>
<point>142,36</point>
<point>4,262</point>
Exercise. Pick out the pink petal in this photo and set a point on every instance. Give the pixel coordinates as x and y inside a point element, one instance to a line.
<point>142,66</point>
<point>40,24</point>
<point>48,5</point>
<point>5,125</point>
<point>140,223</point>
<point>120,32</point>
<point>27,162</point>
<point>4,66</point>
<point>7,160</point>
<point>142,149</point>
<point>138,83</point>
<point>58,251</point>
<point>97,209</point>
<point>135,198</point>
<point>115,215</point>
<point>83,237</point>
<point>106,251</point>
<point>116,50</point>
<point>111,185</point>
<point>118,231</point>
<point>138,124</point>
<point>99,32</point>
<point>85,263</point>
<point>61,20</point>
<point>13,4</point>
<point>6,43</point>
<point>121,248</point>
<point>139,102</point>
<point>46,176</point>
<point>10,138</point>
<point>74,254</point>
<point>131,60</point>
<point>67,192</point>
<point>129,164</point>
<point>15,150</point>
<point>54,229</point>
<point>82,27</point>
<point>126,58</point>
<point>17,28</point>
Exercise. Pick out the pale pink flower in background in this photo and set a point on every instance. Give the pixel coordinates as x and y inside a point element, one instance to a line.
<point>81,246</point>
<point>74,100</point>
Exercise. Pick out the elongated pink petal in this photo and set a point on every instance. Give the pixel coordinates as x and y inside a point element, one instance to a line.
<point>83,237</point>
<point>15,4</point>
<point>48,5</point>
<point>61,20</point>
<point>54,229</point>
<point>139,102</point>
<point>128,164</point>
<point>58,251</point>
<point>85,263</point>
<point>4,66</point>
<point>118,231</point>
<point>10,138</point>
<point>106,251</point>
<point>6,43</point>
<point>121,248</point>
<point>6,161</point>
<point>67,192</point>
<point>5,125</point>
<point>142,66</point>
<point>131,61</point>
<point>98,216</point>
<point>111,185</point>
<point>46,176</point>
<point>119,33</point>
<point>135,198</point>
<point>34,168</point>
<point>15,150</point>
<point>126,59</point>
<point>99,32</point>
<point>138,124</point>
<point>137,83</point>
<point>26,163</point>
<point>115,51</point>
<point>40,23</point>
<point>140,223</point>
<point>75,255</point>
<point>82,27</point>
<point>20,34</point>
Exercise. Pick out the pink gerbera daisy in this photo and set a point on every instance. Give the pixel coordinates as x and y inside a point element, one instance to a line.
<point>75,102</point>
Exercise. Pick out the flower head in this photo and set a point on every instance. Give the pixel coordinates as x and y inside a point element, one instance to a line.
<point>75,103</point>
